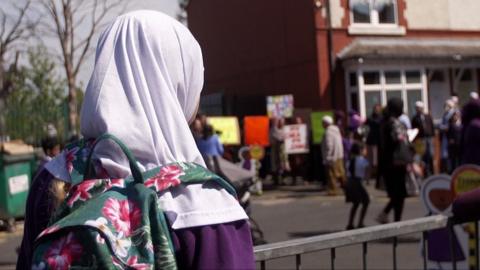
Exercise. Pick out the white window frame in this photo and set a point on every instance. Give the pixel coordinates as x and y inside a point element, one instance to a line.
<point>374,17</point>
<point>403,86</point>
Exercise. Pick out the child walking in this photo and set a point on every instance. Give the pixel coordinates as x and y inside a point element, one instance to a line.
<point>355,191</point>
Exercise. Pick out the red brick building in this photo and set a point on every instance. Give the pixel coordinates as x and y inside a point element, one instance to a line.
<point>417,50</point>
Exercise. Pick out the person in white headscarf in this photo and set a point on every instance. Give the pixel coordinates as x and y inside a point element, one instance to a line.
<point>145,89</point>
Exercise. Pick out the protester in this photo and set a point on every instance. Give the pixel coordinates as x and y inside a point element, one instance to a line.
<point>373,140</point>
<point>51,148</point>
<point>354,121</point>
<point>424,123</point>
<point>297,163</point>
<point>197,129</point>
<point>355,191</point>
<point>470,143</point>
<point>405,120</point>
<point>395,156</point>
<point>454,137</point>
<point>332,154</point>
<point>209,145</point>
<point>443,127</point>
<point>279,158</point>
<point>144,89</point>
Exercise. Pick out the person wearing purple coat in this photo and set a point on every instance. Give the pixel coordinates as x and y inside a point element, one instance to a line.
<point>145,89</point>
<point>470,141</point>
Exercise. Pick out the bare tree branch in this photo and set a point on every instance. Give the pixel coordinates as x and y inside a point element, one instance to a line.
<point>75,24</point>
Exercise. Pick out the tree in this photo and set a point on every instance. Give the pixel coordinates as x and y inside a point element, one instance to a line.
<point>14,29</point>
<point>38,99</point>
<point>73,24</point>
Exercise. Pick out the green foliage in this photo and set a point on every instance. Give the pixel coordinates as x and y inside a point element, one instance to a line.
<point>38,98</point>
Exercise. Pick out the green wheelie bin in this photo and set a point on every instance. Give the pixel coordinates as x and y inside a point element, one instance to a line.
<point>15,179</point>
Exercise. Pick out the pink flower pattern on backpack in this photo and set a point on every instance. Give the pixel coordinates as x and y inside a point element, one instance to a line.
<point>168,176</point>
<point>49,230</point>
<point>132,262</point>
<point>123,214</point>
<point>63,252</point>
<point>70,157</point>
<point>81,192</point>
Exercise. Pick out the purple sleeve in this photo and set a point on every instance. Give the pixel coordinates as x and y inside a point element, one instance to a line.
<point>37,216</point>
<point>222,246</point>
<point>466,207</point>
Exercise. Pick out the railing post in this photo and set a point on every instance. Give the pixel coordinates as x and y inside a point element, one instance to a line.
<point>299,261</point>
<point>395,253</point>
<point>425,251</point>
<point>364,255</point>
<point>263,265</point>
<point>332,258</point>
<point>451,235</point>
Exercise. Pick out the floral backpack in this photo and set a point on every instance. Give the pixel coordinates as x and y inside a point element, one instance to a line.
<point>114,223</point>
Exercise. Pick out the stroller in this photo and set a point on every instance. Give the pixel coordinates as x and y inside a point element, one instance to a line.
<point>242,181</point>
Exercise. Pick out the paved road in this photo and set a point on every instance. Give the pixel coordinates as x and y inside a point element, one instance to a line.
<point>306,212</point>
<point>300,212</point>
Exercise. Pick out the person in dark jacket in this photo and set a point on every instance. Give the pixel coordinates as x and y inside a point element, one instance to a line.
<point>470,143</point>
<point>373,140</point>
<point>424,123</point>
<point>395,156</point>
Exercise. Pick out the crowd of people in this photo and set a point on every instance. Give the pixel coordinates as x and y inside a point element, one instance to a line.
<point>389,147</point>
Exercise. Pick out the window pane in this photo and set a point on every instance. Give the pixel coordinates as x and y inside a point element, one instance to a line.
<point>361,11</point>
<point>392,77</point>
<point>413,76</point>
<point>354,101</point>
<point>386,11</point>
<point>412,97</point>
<point>371,77</point>
<point>372,98</point>
<point>394,94</point>
<point>353,79</point>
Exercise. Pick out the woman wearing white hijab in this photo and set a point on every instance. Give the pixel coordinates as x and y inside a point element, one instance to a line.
<point>144,89</point>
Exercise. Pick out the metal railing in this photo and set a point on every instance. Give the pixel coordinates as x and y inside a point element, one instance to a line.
<point>299,247</point>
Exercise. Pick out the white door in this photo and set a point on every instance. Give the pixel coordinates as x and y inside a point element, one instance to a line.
<point>438,91</point>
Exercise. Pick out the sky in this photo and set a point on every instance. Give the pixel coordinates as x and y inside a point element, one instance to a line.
<point>169,7</point>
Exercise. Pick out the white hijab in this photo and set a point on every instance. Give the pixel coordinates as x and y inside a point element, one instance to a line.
<point>144,89</point>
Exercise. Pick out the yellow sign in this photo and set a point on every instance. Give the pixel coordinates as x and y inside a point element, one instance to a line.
<point>227,128</point>
<point>465,178</point>
<point>257,152</point>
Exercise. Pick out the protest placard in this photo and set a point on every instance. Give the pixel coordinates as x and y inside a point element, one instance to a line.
<point>317,127</point>
<point>280,106</point>
<point>296,139</point>
<point>256,130</point>
<point>227,127</point>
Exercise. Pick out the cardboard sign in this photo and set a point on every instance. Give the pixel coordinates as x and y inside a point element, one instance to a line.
<point>296,139</point>
<point>257,152</point>
<point>257,129</point>
<point>437,198</point>
<point>317,127</point>
<point>436,194</point>
<point>465,178</point>
<point>228,128</point>
<point>280,106</point>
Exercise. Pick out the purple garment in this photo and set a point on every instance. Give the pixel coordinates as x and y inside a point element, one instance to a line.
<point>471,143</point>
<point>222,246</point>
<point>466,207</point>
<point>439,246</point>
<point>225,246</point>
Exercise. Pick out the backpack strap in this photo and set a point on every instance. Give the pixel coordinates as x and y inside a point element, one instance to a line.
<point>137,175</point>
